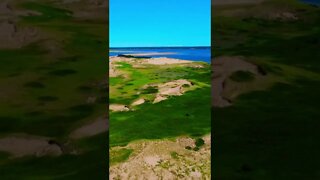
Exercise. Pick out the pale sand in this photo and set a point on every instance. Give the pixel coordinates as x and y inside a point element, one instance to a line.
<point>118,107</point>
<point>225,90</point>
<point>138,102</point>
<point>26,145</point>
<point>19,145</point>
<point>151,54</point>
<point>172,88</point>
<point>223,67</point>
<point>153,160</point>
<point>153,61</point>
<point>163,61</point>
<point>90,129</point>
<point>113,60</point>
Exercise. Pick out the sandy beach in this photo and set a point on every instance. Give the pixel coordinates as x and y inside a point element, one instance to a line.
<point>151,54</point>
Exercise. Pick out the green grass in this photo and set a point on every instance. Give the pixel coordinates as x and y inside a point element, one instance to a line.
<point>199,142</point>
<point>271,131</point>
<point>121,155</point>
<point>270,134</point>
<point>174,155</point>
<point>169,118</point>
<point>45,94</point>
<point>242,76</point>
<point>92,163</point>
<point>123,90</point>
<point>284,42</point>
<point>48,12</point>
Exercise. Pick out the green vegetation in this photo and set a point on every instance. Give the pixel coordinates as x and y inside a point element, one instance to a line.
<point>270,134</point>
<point>199,142</point>
<point>48,12</point>
<point>46,85</point>
<point>174,155</point>
<point>169,118</point>
<point>165,119</point>
<point>88,165</point>
<point>117,156</point>
<point>242,76</point>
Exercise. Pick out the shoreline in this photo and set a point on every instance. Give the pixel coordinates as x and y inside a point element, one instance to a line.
<point>163,60</point>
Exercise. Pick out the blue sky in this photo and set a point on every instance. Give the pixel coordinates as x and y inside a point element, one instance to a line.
<point>153,23</point>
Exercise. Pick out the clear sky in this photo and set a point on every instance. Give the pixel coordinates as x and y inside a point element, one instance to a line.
<point>156,23</point>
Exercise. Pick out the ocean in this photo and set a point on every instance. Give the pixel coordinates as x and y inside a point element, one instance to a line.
<point>184,53</point>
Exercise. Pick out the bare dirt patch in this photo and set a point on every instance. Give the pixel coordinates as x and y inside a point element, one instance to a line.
<point>14,36</point>
<point>165,159</point>
<point>138,102</point>
<point>224,90</point>
<point>172,88</point>
<point>90,129</point>
<point>26,145</point>
<point>118,107</point>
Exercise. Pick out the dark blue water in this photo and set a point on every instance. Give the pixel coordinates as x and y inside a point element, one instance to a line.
<point>313,2</point>
<point>184,53</point>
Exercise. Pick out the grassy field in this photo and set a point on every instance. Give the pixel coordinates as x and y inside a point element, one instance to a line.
<point>160,119</point>
<point>147,120</point>
<point>270,134</point>
<point>45,87</point>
